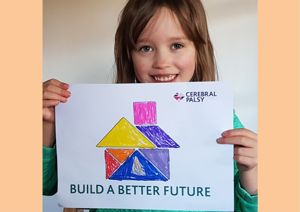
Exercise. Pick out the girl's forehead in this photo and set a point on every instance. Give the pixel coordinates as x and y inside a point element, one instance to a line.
<point>162,16</point>
<point>164,20</point>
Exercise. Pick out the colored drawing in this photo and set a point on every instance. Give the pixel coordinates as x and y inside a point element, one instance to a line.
<point>144,113</point>
<point>111,164</point>
<point>158,136</point>
<point>125,134</point>
<point>128,170</point>
<point>137,168</point>
<point>138,152</point>
<point>159,158</point>
<point>121,154</point>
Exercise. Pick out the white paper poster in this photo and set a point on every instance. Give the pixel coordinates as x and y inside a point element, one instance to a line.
<point>145,146</point>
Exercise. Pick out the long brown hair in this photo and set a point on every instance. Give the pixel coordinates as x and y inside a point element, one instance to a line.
<point>191,15</point>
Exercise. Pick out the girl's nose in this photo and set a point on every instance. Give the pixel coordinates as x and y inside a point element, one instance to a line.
<point>161,60</point>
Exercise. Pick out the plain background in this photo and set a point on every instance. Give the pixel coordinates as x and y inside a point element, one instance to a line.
<point>79,37</point>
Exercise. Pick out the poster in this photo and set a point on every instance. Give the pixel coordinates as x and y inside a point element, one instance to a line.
<point>145,146</point>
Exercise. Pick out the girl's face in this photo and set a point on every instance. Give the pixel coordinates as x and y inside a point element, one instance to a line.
<point>163,53</point>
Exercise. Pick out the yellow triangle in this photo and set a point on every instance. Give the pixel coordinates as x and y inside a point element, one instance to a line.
<point>124,134</point>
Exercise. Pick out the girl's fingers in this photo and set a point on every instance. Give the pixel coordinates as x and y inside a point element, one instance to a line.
<point>240,132</point>
<point>247,152</point>
<point>53,96</point>
<point>57,90</point>
<point>54,86</point>
<point>50,103</point>
<point>238,140</point>
<point>245,147</point>
<point>57,83</point>
<point>248,162</point>
<point>54,92</point>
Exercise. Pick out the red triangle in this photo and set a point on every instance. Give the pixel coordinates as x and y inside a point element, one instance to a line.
<point>111,164</point>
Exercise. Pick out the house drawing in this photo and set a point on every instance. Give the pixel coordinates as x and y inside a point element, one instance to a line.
<point>139,151</point>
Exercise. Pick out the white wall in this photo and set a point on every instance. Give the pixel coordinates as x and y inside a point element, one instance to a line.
<point>79,39</point>
<point>233,30</point>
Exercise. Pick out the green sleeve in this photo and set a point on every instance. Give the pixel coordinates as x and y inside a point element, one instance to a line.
<point>243,201</point>
<point>49,171</point>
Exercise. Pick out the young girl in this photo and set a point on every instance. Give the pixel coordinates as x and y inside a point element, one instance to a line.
<point>161,41</point>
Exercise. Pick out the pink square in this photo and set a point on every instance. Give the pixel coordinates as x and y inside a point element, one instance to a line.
<point>144,113</point>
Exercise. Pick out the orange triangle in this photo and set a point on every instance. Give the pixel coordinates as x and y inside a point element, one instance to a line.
<point>121,154</point>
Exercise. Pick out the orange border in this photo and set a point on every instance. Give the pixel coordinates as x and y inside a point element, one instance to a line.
<point>20,125</point>
<point>21,68</point>
<point>279,105</point>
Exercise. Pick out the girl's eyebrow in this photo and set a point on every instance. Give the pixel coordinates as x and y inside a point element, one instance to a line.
<point>143,40</point>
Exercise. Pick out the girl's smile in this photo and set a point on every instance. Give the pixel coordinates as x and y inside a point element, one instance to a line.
<point>164,78</point>
<point>163,53</point>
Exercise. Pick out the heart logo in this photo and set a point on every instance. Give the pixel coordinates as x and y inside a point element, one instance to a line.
<point>178,96</point>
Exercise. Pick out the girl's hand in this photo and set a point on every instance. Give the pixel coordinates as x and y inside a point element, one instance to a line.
<point>54,92</point>
<point>245,154</point>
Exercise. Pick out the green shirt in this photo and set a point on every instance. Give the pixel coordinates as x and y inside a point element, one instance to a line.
<point>243,201</point>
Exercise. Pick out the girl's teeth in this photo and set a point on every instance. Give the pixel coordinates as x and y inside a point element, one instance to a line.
<point>165,78</point>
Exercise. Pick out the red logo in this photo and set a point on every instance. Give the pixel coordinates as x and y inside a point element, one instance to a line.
<point>178,96</point>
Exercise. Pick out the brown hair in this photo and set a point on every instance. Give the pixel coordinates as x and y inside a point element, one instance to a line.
<point>191,15</point>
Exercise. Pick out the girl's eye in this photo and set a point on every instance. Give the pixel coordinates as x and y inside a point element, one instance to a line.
<point>176,46</point>
<point>146,49</point>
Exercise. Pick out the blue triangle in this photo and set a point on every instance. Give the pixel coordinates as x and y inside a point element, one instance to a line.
<point>148,172</point>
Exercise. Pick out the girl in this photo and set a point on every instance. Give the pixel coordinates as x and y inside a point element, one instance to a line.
<point>161,41</point>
